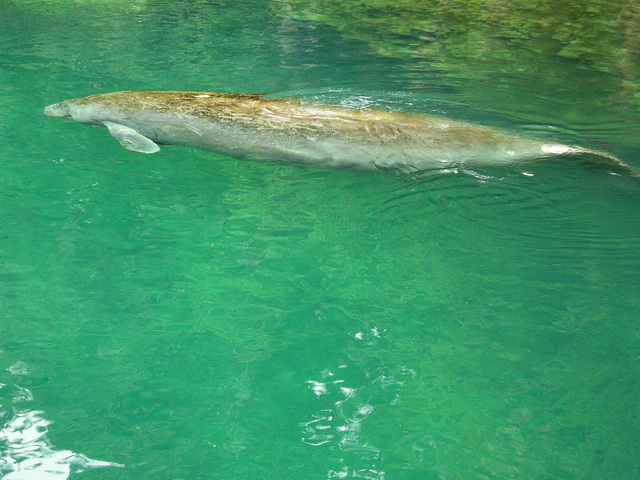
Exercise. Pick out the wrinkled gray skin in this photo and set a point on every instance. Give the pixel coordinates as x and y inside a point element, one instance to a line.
<point>291,132</point>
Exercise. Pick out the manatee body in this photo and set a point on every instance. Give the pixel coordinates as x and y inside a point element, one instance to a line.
<point>292,132</point>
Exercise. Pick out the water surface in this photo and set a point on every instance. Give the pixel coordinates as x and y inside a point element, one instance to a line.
<point>190,316</point>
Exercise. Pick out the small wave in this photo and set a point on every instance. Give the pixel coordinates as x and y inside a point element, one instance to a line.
<point>544,209</point>
<point>25,453</point>
<point>349,396</point>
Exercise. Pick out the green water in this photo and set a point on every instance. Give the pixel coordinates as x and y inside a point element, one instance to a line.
<point>188,316</point>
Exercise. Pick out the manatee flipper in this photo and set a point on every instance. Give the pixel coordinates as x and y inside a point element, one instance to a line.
<point>131,139</point>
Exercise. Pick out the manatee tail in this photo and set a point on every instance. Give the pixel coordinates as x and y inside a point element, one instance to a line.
<point>599,159</point>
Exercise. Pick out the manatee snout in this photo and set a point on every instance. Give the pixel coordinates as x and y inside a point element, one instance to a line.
<point>58,110</point>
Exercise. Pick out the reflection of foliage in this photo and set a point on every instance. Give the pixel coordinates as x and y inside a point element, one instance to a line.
<point>465,36</point>
<point>139,41</point>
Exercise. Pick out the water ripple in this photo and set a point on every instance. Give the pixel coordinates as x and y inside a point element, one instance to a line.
<point>351,401</point>
<point>535,210</point>
<point>25,453</point>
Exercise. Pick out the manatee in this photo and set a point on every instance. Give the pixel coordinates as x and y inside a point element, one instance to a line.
<point>289,131</point>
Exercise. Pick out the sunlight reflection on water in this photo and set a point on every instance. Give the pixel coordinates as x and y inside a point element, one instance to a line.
<point>346,407</point>
<point>25,453</point>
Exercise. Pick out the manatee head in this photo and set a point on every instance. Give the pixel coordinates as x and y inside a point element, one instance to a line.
<point>78,110</point>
